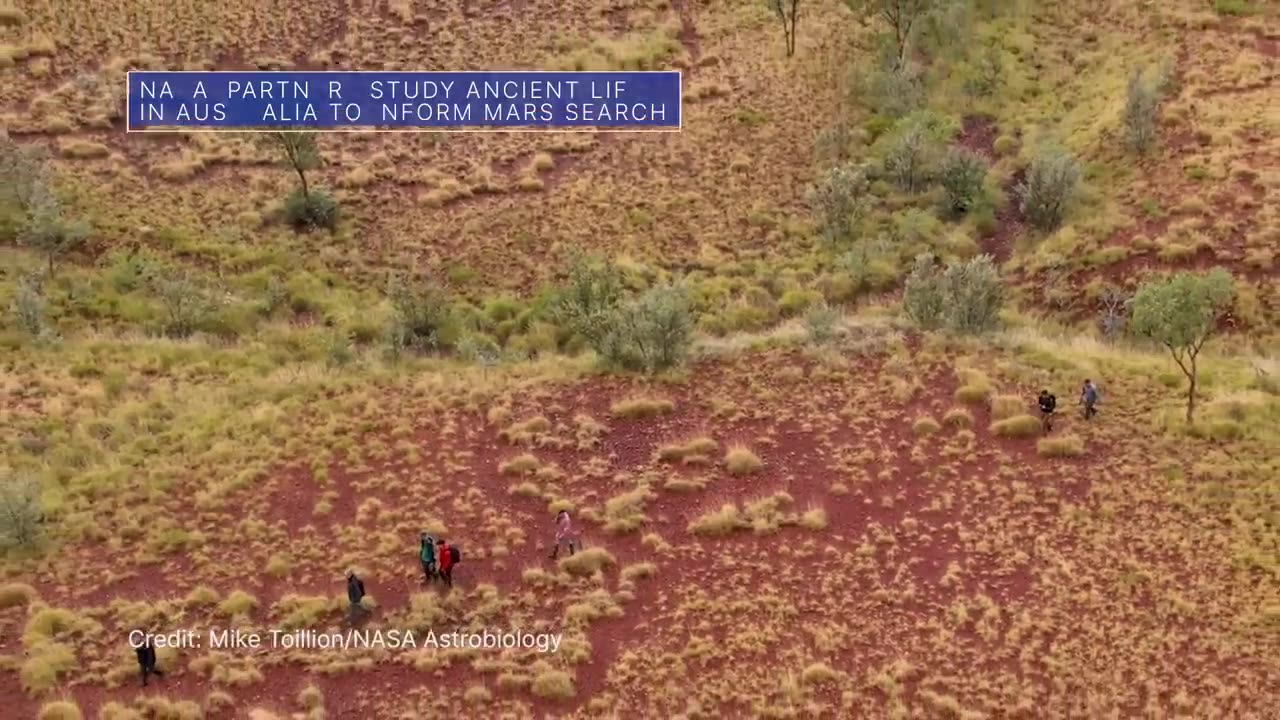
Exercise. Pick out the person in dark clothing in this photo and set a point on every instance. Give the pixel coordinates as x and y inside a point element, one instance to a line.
<point>355,593</point>
<point>444,562</point>
<point>427,555</point>
<point>1089,398</point>
<point>147,660</point>
<point>1048,403</point>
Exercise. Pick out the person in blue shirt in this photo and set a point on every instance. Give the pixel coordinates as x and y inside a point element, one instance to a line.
<point>1089,398</point>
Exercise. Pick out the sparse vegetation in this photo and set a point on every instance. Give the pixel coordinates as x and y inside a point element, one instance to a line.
<point>1049,189</point>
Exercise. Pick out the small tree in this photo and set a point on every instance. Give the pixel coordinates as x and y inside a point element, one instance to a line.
<point>840,200</point>
<point>1049,188</point>
<point>1181,313</point>
<point>1113,312</point>
<point>28,307</point>
<point>49,232</point>
<point>184,302</point>
<point>1141,112</point>
<point>901,16</point>
<point>21,513</point>
<point>304,208</point>
<point>420,319</point>
<point>298,150</point>
<point>962,174</point>
<point>25,173</point>
<point>788,12</point>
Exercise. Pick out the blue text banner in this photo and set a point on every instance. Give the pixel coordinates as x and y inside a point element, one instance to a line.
<point>242,100</point>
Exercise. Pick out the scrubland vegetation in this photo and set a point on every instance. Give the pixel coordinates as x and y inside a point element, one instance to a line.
<point>780,367</point>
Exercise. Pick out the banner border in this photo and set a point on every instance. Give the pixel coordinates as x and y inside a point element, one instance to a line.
<point>515,129</point>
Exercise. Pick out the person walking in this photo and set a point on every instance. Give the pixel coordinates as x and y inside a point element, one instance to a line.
<point>355,593</point>
<point>427,555</point>
<point>1047,402</point>
<point>564,533</point>
<point>147,660</point>
<point>444,561</point>
<point>1089,398</point>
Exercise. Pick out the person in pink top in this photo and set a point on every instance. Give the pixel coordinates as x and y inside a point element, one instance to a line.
<point>564,533</point>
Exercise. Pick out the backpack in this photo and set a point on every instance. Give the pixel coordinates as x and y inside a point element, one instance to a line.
<point>455,555</point>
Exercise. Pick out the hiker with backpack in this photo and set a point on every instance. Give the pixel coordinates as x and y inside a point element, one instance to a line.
<point>1047,402</point>
<point>564,533</point>
<point>448,557</point>
<point>427,556</point>
<point>355,593</point>
<point>1089,398</point>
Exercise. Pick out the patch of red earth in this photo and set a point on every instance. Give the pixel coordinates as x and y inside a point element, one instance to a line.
<point>978,134</point>
<point>688,34</point>
<point>1010,222</point>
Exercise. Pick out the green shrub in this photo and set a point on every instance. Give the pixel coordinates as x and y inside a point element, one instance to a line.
<point>586,304</point>
<point>28,307</point>
<point>21,512</point>
<point>841,202</point>
<point>973,295</point>
<point>793,302</point>
<point>315,209</point>
<point>1234,7</point>
<point>965,298</point>
<point>1049,189</point>
<point>185,304</point>
<point>1005,145</point>
<point>822,322</point>
<point>651,333</point>
<point>962,175</point>
<point>907,161</point>
<point>894,92</point>
<point>422,319</point>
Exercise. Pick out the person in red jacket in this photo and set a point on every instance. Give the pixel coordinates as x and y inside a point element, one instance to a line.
<point>444,562</point>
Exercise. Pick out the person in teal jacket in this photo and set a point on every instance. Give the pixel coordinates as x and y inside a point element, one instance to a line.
<point>427,554</point>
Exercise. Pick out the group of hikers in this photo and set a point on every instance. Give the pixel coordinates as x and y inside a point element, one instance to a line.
<point>1048,403</point>
<point>438,557</point>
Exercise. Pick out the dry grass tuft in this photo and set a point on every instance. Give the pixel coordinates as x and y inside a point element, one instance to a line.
<point>1020,426</point>
<point>975,387</point>
<point>702,446</point>
<point>15,594</point>
<point>1006,406</point>
<point>1061,446</point>
<point>958,417</point>
<point>741,461</point>
<point>925,425</point>
<point>553,685</point>
<point>520,465</point>
<point>60,710</point>
<point>641,407</point>
<point>587,562</point>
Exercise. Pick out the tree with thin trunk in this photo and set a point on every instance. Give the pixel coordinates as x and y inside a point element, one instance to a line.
<point>298,150</point>
<point>49,231</point>
<point>901,16</point>
<point>1181,313</point>
<point>788,12</point>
